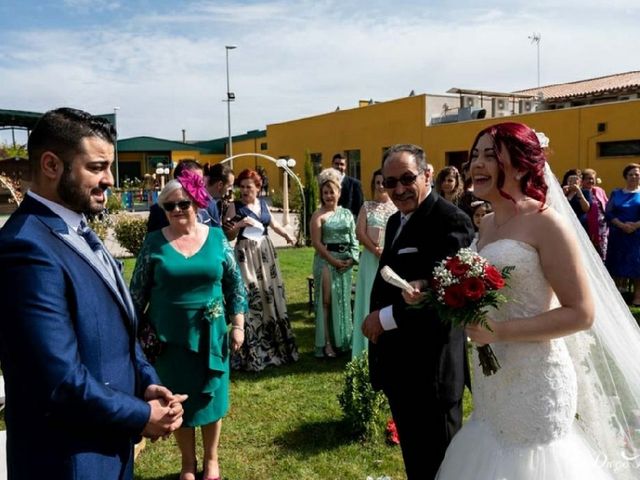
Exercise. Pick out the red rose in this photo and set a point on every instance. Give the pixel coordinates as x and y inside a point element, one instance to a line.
<point>457,268</point>
<point>473,288</point>
<point>493,277</point>
<point>454,296</point>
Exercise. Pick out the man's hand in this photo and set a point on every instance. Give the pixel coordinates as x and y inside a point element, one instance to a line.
<point>166,411</point>
<point>371,327</point>
<point>155,392</point>
<point>417,295</point>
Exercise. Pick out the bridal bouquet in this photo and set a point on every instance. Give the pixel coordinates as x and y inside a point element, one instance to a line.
<point>462,288</point>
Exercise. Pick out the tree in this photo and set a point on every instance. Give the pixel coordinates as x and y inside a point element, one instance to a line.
<point>311,193</point>
<point>12,151</point>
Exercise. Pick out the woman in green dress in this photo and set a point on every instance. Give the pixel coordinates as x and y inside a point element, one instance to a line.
<point>370,228</point>
<point>187,280</point>
<point>333,235</point>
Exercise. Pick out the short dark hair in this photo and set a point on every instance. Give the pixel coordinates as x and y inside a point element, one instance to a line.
<point>628,168</point>
<point>339,155</point>
<point>61,130</point>
<point>415,150</point>
<point>186,164</point>
<point>218,173</point>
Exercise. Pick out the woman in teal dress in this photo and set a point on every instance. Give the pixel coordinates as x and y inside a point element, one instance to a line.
<point>334,238</point>
<point>187,280</point>
<point>370,228</point>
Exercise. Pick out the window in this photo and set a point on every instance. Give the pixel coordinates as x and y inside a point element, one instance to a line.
<point>263,146</point>
<point>316,162</point>
<point>353,163</point>
<point>624,148</point>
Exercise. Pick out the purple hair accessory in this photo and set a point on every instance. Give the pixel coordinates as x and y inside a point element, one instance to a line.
<point>194,186</point>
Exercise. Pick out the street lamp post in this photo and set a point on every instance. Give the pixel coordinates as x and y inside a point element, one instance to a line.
<point>163,173</point>
<point>115,125</point>
<point>535,38</point>
<point>282,163</point>
<point>230,98</point>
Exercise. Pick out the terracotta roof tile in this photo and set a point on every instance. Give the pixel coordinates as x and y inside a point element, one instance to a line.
<point>610,83</point>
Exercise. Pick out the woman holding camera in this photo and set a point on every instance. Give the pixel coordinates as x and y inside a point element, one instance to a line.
<point>269,339</point>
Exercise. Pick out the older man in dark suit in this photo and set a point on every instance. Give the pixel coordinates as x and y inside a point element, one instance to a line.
<point>411,349</point>
<point>351,196</point>
<point>79,390</point>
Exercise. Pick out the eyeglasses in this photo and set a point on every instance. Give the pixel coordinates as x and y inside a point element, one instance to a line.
<point>182,205</point>
<point>406,180</point>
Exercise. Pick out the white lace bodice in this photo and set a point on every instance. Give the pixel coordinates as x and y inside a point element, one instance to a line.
<point>532,398</point>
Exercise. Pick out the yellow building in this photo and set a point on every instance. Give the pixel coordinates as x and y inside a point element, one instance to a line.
<point>592,123</point>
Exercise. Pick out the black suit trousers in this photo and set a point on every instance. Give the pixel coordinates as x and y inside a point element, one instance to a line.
<point>420,422</point>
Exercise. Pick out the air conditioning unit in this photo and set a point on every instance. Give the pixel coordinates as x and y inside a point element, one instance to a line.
<point>500,106</point>
<point>525,106</point>
<point>468,101</point>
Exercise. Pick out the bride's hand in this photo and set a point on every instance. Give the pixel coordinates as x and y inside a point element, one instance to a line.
<point>416,296</point>
<point>481,335</point>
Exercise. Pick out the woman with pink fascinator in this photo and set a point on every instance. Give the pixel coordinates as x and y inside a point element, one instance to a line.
<point>186,283</point>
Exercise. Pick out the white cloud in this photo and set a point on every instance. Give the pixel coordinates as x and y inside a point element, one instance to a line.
<point>166,70</point>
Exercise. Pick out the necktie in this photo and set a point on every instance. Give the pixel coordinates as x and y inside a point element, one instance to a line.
<point>97,247</point>
<point>403,220</point>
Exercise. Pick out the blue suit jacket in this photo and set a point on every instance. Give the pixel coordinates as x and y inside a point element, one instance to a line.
<point>74,372</point>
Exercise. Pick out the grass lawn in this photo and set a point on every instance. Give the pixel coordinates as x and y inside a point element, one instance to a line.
<point>285,422</point>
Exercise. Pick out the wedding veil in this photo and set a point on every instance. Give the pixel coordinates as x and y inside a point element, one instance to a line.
<point>605,358</point>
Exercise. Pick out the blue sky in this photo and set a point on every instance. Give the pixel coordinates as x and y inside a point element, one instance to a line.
<point>163,62</point>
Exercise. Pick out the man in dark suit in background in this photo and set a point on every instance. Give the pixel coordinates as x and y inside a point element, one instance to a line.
<point>79,390</point>
<point>351,196</point>
<point>208,216</point>
<point>411,349</point>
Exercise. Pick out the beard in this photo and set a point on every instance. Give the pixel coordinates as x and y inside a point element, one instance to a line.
<point>75,197</point>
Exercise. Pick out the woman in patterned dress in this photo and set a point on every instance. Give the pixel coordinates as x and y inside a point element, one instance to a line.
<point>269,339</point>
<point>370,228</point>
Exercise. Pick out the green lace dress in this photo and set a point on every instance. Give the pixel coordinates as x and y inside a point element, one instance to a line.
<point>377,215</point>
<point>188,299</point>
<point>339,228</point>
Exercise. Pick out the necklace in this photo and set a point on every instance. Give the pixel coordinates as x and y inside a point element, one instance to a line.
<point>500,225</point>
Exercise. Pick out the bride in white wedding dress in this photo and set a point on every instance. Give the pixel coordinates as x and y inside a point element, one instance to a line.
<point>562,406</point>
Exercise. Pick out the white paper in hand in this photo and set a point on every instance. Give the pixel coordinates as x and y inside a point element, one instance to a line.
<point>396,280</point>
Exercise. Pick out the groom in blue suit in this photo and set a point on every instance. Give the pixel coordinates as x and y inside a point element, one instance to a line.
<point>79,390</point>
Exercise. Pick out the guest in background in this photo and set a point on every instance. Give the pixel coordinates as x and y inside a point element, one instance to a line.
<point>333,235</point>
<point>479,209</point>
<point>187,280</point>
<point>351,196</point>
<point>207,215</point>
<point>370,227</point>
<point>467,198</point>
<point>220,180</point>
<point>597,226</point>
<point>623,215</point>
<point>449,184</point>
<point>578,198</point>
<point>269,339</point>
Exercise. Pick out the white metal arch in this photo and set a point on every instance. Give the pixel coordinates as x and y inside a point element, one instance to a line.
<point>290,172</point>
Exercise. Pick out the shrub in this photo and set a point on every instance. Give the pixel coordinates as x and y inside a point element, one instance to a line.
<point>295,202</point>
<point>364,409</point>
<point>114,203</point>
<point>101,224</point>
<point>130,232</point>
